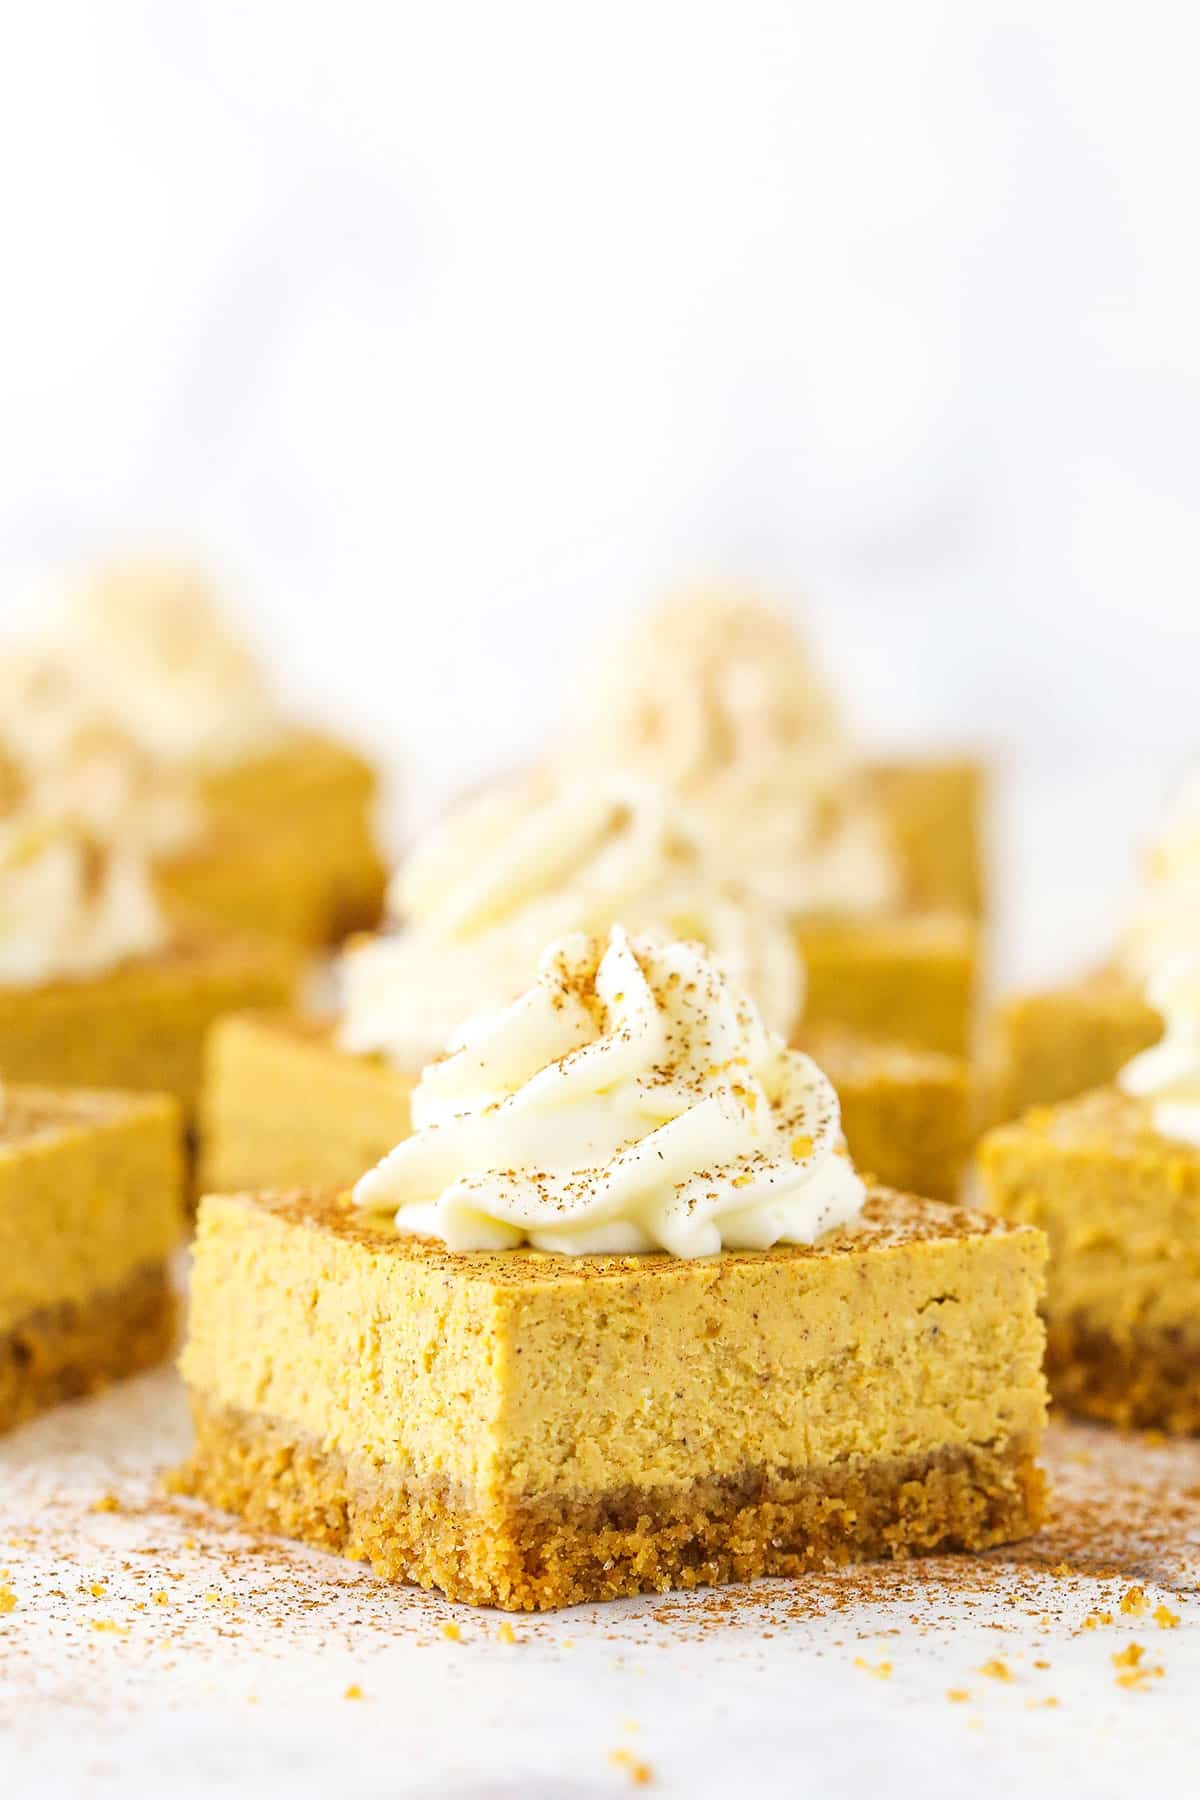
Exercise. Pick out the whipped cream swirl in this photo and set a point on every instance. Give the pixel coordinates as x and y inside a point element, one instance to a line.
<point>70,908</point>
<point>719,699</point>
<point>631,1100</point>
<point>1165,926</point>
<point>1168,1074</point>
<point>148,643</point>
<point>520,865</point>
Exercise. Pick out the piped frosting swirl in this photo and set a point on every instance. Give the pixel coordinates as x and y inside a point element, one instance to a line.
<point>631,1100</point>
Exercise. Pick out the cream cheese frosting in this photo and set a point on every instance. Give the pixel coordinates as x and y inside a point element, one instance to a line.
<point>148,642</point>
<point>70,908</point>
<point>718,698</point>
<point>631,1100</point>
<point>522,863</point>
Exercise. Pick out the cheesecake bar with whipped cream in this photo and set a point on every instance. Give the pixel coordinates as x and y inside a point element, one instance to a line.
<point>1113,1178</point>
<point>99,985</point>
<point>298,1101</point>
<point>618,1316</point>
<point>146,717</point>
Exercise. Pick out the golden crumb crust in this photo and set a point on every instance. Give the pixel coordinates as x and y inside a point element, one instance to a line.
<point>61,1352</point>
<point>1134,1377</point>
<point>547,1551</point>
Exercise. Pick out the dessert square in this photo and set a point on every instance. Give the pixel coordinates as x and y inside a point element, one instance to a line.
<point>289,846</point>
<point>1120,1205</point>
<point>91,1207</point>
<point>934,811</point>
<point>1051,1045</point>
<point>911,978</point>
<point>285,1106</point>
<point>909,1116</point>
<point>142,1024</point>
<point>529,1430</point>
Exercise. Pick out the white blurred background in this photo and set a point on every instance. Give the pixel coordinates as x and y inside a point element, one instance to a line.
<point>451,333</point>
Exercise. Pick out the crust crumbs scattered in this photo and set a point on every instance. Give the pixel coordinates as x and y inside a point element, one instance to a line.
<point>640,1773</point>
<point>1132,1671</point>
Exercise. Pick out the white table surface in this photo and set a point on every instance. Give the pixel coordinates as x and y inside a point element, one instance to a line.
<point>237,1684</point>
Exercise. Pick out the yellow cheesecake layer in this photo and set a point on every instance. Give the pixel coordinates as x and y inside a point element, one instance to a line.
<point>934,812</point>
<point>1047,1046</point>
<point>285,1107</point>
<point>520,1373</point>
<point>910,978</point>
<point>291,846</point>
<point>91,1192</point>
<point>1119,1204</point>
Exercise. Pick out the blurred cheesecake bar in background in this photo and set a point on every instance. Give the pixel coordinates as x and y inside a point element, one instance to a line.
<point>101,985</point>
<point>296,1101</point>
<point>878,867</point>
<point>1048,1045</point>
<point>91,1208</point>
<point>1113,1178</point>
<point>1113,1174</point>
<point>142,701</point>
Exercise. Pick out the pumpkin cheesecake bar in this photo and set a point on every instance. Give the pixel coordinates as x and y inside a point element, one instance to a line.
<point>91,1207</point>
<point>99,987</point>
<point>146,706</point>
<point>1113,1177</point>
<point>1120,1205</point>
<point>619,1316</point>
<point>1048,1045</point>
<point>910,978</point>
<point>289,845</point>
<point>934,810</point>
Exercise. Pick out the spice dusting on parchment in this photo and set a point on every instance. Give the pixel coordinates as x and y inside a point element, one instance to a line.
<point>117,1594</point>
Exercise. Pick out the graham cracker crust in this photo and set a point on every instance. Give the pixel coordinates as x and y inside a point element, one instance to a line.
<point>61,1352</point>
<point>554,1551</point>
<point>1148,1378</point>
